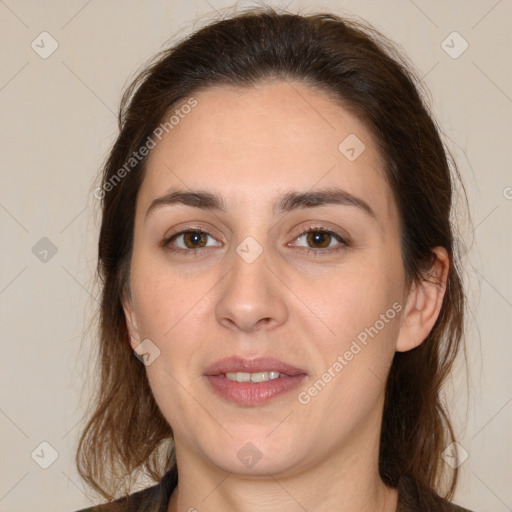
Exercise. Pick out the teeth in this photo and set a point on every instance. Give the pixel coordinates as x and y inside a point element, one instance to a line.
<point>254,377</point>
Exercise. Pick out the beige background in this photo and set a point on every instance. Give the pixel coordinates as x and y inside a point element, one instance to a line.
<point>58,118</point>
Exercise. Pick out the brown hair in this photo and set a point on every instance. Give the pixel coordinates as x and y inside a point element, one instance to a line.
<point>364,72</point>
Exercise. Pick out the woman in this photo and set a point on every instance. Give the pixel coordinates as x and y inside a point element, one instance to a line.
<point>276,251</point>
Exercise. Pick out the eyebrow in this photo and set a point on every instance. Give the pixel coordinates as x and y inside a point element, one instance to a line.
<point>293,200</point>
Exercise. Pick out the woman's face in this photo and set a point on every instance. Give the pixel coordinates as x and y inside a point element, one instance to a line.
<point>263,281</point>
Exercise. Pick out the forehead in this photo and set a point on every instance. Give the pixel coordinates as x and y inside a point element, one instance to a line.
<point>258,143</point>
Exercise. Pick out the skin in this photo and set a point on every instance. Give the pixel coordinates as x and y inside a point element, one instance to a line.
<point>253,145</point>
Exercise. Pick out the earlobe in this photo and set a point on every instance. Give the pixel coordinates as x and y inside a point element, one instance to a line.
<point>131,321</point>
<point>423,304</point>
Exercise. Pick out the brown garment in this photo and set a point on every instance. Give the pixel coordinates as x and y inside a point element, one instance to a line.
<point>411,498</point>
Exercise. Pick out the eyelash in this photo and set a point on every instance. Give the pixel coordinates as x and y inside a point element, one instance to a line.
<point>165,243</point>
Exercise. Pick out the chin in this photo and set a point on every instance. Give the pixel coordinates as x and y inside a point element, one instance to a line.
<point>253,453</point>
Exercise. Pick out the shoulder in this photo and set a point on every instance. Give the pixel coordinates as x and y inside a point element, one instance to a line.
<point>414,498</point>
<point>153,499</point>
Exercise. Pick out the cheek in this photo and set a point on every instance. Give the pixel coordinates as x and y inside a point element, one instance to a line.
<point>355,297</point>
<point>362,310</point>
<point>174,311</point>
<point>361,307</point>
<point>167,306</point>
<point>161,296</point>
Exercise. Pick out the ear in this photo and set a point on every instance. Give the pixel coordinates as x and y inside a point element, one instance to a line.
<point>131,321</point>
<point>423,304</point>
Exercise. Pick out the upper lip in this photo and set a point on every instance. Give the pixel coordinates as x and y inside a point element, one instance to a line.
<point>261,364</point>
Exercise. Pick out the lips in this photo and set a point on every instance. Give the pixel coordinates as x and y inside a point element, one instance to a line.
<point>261,364</point>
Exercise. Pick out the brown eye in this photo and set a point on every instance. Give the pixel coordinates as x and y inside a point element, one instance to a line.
<point>322,238</point>
<point>188,241</point>
<point>321,241</point>
<point>194,239</point>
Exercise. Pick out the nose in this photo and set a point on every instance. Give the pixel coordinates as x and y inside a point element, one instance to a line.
<point>251,295</point>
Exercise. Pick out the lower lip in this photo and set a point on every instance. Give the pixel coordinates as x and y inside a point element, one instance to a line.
<point>253,393</point>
